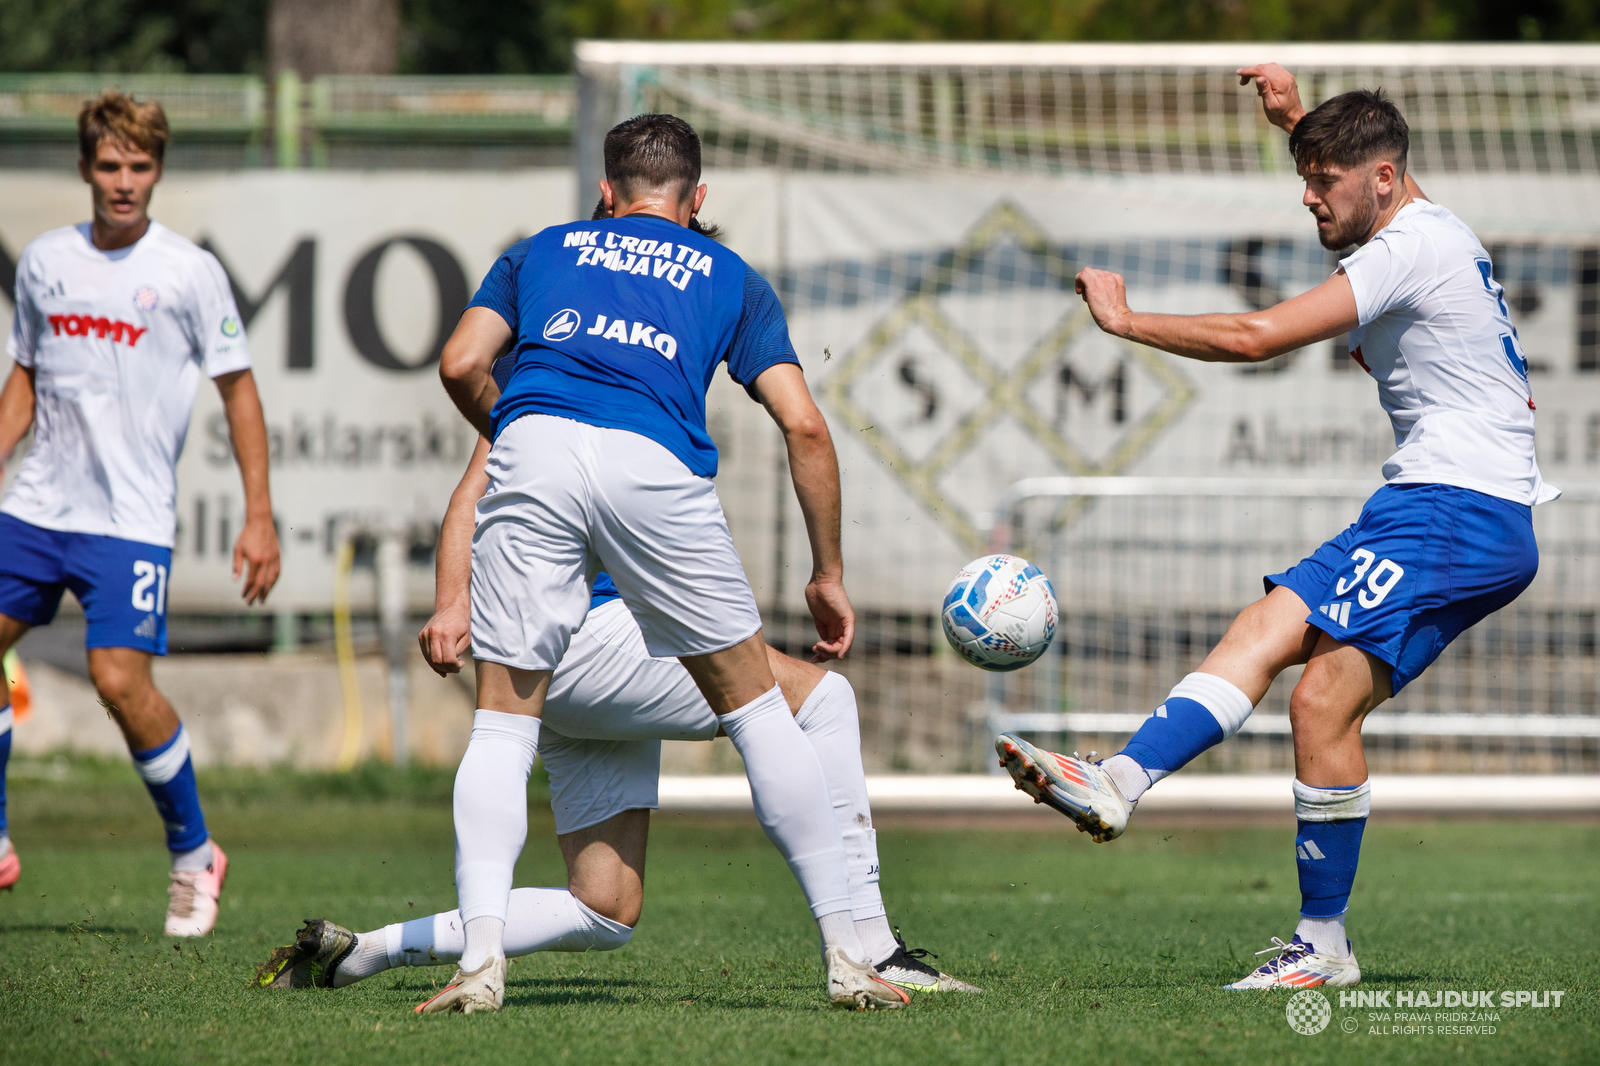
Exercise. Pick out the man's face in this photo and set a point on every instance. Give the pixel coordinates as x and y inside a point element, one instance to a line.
<point>122,178</point>
<point>1345,200</point>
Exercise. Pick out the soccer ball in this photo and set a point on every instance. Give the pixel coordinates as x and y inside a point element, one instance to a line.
<point>999,613</point>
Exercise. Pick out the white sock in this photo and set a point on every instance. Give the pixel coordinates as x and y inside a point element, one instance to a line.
<point>829,720</point>
<point>368,956</point>
<point>1129,777</point>
<point>537,919</point>
<point>195,859</point>
<point>1325,935</point>
<point>486,936</point>
<point>877,938</point>
<point>491,819</point>
<point>791,800</point>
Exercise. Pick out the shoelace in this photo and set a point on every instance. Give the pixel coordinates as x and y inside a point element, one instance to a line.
<point>1288,953</point>
<point>912,953</point>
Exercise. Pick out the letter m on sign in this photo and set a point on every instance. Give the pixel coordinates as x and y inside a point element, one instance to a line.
<point>298,275</point>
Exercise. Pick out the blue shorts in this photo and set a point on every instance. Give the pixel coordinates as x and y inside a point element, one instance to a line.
<point>122,584</point>
<point>1420,566</point>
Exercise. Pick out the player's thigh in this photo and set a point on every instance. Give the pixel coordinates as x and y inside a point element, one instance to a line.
<point>661,535</point>
<point>593,780</point>
<point>605,864</point>
<point>122,585</point>
<point>797,678</point>
<point>530,550</point>
<point>32,577</point>
<point>610,688</point>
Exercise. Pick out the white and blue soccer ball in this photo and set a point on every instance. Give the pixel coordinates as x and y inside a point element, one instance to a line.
<point>1000,612</point>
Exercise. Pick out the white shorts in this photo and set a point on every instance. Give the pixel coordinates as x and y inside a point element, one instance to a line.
<point>567,500</point>
<point>610,706</point>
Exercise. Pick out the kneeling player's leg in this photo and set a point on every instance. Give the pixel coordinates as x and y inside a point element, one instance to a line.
<point>1340,686</point>
<point>595,912</point>
<point>1208,706</point>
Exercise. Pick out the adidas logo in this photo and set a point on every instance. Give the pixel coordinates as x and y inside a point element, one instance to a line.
<point>147,628</point>
<point>1339,612</point>
<point>1309,849</point>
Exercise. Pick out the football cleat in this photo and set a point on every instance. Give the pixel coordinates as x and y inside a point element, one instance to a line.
<point>312,960</point>
<point>484,989</point>
<point>10,866</point>
<point>1076,787</point>
<point>857,986</point>
<point>1297,966</point>
<point>192,897</point>
<point>906,970</point>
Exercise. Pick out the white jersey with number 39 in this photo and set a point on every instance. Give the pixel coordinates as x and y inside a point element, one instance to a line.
<point>1436,335</point>
<point>117,341</point>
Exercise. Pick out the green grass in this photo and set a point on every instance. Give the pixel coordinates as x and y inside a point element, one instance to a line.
<point>1091,954</point>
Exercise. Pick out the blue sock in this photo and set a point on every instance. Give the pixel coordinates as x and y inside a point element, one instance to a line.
<point>1327,847</point>
<point>5,757</point>
<point>1202,711</point>
<point>1326,854</point>
<point>168,773</point>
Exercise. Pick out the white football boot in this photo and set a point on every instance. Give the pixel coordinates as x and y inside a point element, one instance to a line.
<point>857,986</point>
<point>484,989</point>
<point>192,897</point>
<point>908,970</point>
<point>1297,966</point>
<point>1076,787</point>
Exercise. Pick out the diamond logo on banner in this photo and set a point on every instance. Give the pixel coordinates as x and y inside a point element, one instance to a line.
<point>951,404</point>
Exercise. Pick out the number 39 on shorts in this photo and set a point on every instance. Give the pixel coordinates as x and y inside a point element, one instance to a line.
<point>1379,579</point>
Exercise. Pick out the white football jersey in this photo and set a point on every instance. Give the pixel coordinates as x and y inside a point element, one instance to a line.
<point>117,341</point>
<point>1436,335</point>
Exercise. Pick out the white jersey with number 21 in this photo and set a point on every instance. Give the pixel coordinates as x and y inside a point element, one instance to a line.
<point>117,341</point>
<point>1436,335</point>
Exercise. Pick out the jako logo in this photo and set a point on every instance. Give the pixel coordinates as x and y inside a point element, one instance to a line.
<point>83,325</point>
<point>563,324</point>
<point>618,331</point>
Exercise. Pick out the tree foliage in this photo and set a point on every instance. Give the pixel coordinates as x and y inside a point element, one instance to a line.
<point>530,36</point>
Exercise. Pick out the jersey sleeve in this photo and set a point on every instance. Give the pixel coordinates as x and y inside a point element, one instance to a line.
<point>24,337</point>
<point>498,292</point>
<point>218,331</point>
<point>1390,271</point>
<point>761,339</point>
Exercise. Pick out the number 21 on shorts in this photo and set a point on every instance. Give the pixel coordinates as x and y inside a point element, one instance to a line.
<point>1385,576</point>
<point>146,598</point>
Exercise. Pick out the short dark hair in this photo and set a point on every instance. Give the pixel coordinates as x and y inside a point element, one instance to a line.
<point>652,152</point>
<point>1351,129</point>
<point>123,119</point>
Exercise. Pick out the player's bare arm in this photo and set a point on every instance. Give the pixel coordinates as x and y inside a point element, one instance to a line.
<point>467,361</point>
<point>1318,314</point>
<point>815,469</point>
<point>255,553</point>
<point>448,633</point>
<point>16,411</point>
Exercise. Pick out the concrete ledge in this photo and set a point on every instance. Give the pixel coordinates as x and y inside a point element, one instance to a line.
<point>977,793</point>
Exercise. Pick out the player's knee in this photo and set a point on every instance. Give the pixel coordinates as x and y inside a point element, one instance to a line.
<point>1318,709</point>
<point>118,686</point>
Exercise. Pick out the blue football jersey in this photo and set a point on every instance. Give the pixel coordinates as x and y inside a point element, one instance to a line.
<point>622,322</point>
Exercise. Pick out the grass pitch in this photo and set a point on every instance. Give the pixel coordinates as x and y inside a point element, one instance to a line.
<point>1092,954</point>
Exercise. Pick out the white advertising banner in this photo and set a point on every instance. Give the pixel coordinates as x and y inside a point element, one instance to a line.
<point>934,317</point>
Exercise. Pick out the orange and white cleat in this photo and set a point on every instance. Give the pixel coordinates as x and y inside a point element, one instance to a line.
<point>483,989</point>
<point>192,897</point>
<point>10,866</point>
<point>1076,787</point>
<point>857,986</point>
<point>1297,966</point>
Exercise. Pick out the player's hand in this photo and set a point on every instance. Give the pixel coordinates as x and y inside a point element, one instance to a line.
<point>257,548</point>
<point>1280,97</point>
<point>1107,296</point>
<point>835,618</point>
<point>445,639</point>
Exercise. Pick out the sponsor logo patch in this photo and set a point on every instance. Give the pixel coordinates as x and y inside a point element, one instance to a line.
<point>145,298</point>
